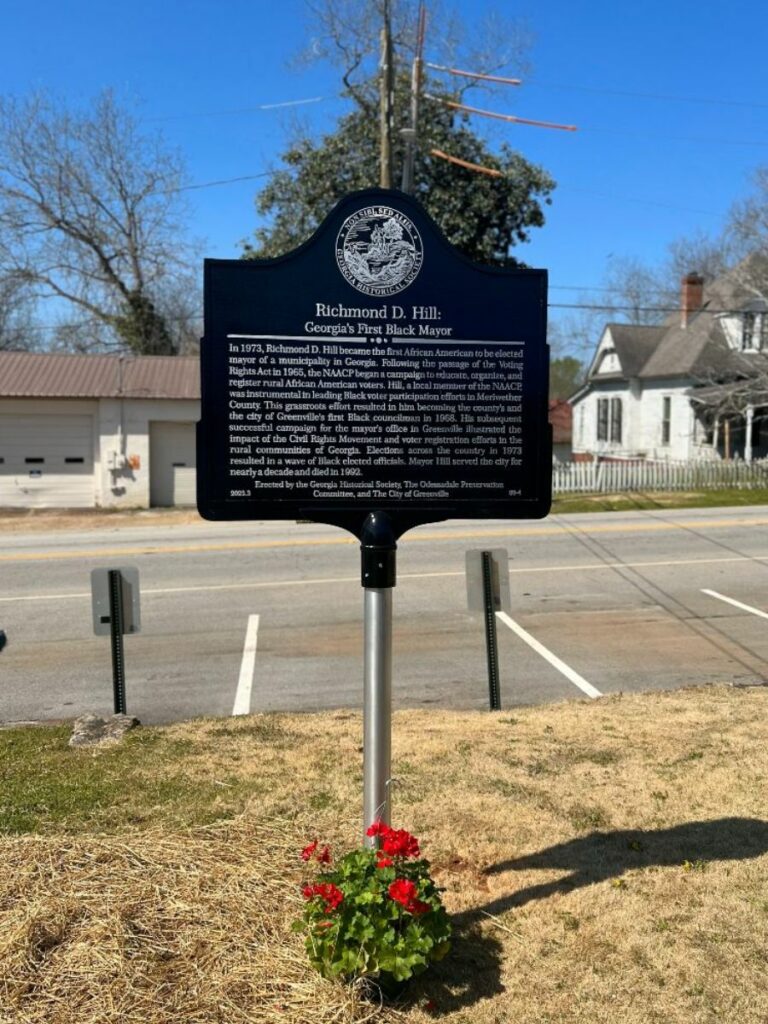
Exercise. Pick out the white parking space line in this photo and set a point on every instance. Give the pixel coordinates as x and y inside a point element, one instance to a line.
<point>242,705</point>
<point>553,660</point>
<point>736,604</point>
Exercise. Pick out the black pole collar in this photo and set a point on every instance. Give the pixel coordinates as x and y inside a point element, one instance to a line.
<point>377,549</point>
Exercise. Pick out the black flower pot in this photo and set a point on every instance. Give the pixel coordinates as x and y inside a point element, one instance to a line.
<point>384,988</point>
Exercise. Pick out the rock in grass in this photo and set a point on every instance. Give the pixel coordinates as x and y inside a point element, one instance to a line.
<point>91,731</point>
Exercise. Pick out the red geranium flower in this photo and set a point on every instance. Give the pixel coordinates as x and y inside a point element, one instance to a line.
<point>324,857</point>
<point>327,891</point>
<point>307,852</point>
<point>399,843</point>
<point>332,895</point>
<point>395,842</point>
<point>383,862</point>
<point>404,892</point>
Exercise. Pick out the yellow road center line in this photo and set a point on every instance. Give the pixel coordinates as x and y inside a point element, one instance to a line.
<point>552,530</point>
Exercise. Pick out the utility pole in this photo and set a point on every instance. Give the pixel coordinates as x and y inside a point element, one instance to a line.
<point>386,97</point>
<point>411,134</point>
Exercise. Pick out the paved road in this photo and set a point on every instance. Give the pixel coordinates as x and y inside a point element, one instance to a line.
<point>601,602</point>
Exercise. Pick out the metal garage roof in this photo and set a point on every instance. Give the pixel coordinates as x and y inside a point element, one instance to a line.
<point>47,375</point>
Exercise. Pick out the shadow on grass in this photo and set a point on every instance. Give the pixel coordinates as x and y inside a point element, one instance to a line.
<point>470,972</point>
<point>603,855</point>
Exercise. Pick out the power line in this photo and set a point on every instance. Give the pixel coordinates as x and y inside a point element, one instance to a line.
<point>585,288</point>
<point>552,287</point>
<point>591,306</point>
<point>212,184</point>
<point>565,188</point>
<point>635,199</point>
<point>627,309</point>
<point>665,97</point>
<point>236,111</point>
<point>100,323</point>
<point>697,139</point>
<point>650,96</point>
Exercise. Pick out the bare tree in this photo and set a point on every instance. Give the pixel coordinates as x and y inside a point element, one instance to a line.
<point>346,33</point>
<point>747,232</point>
<point>741,383</point>
<point>90,214</point>
<point>17,330</point>
<point>642,293</point>
<point>181,302</point>
<point>484,216</point>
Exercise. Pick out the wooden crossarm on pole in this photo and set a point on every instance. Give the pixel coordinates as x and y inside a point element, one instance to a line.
<point>501,117</point>
<point>475,74</point>
<point>491,172</point>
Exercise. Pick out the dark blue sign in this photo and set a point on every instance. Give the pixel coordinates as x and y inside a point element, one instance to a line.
<point>373,369</point>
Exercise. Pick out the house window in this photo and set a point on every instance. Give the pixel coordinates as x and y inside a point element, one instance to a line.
<point>754,332</point>
<point>616,420</point>
<point>666,420</point>
<point>602,419</point>
<point>747,332</point>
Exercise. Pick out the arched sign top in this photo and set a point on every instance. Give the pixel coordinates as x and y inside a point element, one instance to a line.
<point>374,368</point>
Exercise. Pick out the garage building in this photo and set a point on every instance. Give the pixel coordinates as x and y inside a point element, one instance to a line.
<point>85,431</point>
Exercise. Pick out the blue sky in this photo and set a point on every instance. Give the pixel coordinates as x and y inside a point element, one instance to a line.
<point>671,101</point>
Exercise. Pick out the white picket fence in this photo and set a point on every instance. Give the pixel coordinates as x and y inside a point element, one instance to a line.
<point>615,477</point>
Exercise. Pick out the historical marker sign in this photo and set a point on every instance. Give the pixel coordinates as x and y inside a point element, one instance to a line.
<point>373,369</point>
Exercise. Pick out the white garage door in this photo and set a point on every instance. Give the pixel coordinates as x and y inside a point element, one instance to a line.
<point>172,464</point>
<point>46,461</point>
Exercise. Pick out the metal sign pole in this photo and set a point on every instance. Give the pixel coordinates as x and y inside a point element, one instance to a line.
<point>492,647</point>
<point>116,634</point>
<point>377,549</point>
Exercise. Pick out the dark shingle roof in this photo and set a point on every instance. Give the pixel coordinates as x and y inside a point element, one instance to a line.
<point>634,345</point>
<point>684,351</point>
<point>46,375</point>
<point>700,349</point>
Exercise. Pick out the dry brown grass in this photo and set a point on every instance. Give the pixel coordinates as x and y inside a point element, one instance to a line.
<point>604,862</point>
<point>158,928</point>
<point>37,520</point>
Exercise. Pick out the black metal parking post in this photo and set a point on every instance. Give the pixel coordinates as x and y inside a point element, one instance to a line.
<point>491,642</point>
<point>116,638</point>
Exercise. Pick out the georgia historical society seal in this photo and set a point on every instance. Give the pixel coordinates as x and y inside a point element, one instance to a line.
<point>379,250</point>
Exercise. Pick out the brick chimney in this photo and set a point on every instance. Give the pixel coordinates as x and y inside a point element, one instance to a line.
<point>691,296</point>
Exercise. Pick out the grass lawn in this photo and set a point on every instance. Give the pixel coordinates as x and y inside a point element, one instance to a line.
<point>604,862</point>
<point>631,501</point>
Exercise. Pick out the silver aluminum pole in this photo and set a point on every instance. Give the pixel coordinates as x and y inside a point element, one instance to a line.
<point>377,708</point>
<point>377,547</point>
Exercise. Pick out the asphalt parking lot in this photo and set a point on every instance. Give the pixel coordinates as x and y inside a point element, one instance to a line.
<point>252,617</point>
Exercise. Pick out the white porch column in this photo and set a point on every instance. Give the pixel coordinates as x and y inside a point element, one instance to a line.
<point>716,435</point>
<point>748,433</point>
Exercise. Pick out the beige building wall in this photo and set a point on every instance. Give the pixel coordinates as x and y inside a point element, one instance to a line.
<point>115,470</point>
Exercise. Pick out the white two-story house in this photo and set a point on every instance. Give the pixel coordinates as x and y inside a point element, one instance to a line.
<point>695,387</point>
